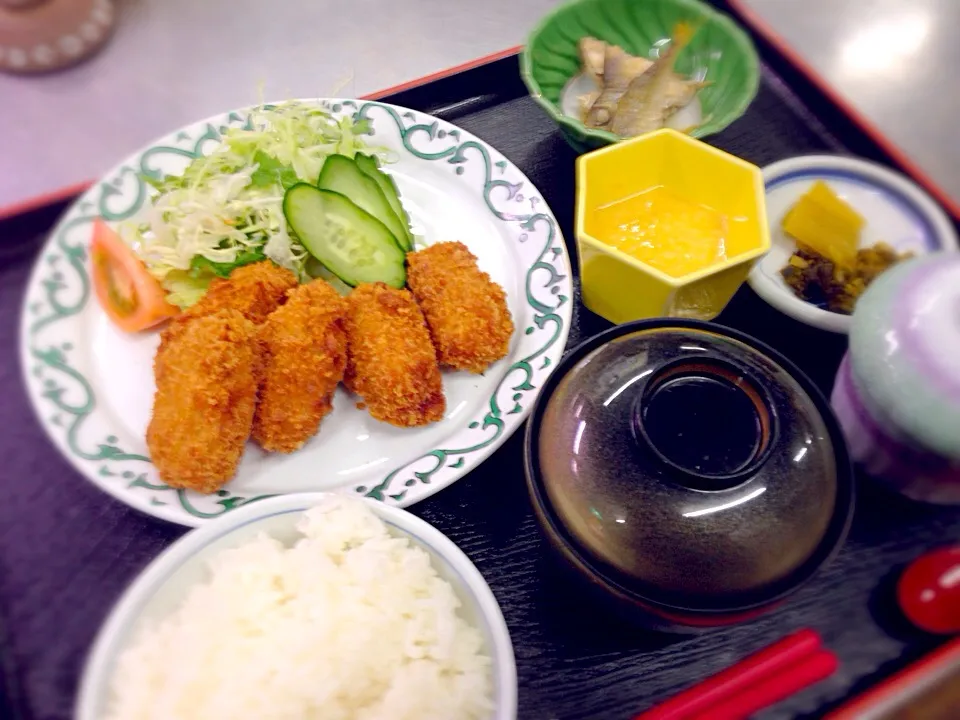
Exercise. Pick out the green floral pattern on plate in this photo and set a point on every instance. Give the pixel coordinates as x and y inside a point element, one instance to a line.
<point>59,292</point>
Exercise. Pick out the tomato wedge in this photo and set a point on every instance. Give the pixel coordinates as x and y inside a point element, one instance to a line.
<point>128,293</point>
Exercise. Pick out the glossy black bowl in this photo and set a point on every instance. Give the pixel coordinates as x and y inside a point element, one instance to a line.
<point>688,472</point>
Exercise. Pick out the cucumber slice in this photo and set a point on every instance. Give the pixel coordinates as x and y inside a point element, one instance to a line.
<point>351,243</point>
<point>371,168</point>
<point>316,269</point>
<point>341,174</point>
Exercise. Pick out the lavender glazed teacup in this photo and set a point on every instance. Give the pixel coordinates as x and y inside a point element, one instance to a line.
<point>897,392</point>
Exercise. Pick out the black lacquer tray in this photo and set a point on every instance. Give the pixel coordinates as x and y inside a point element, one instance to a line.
<point>67,550</point>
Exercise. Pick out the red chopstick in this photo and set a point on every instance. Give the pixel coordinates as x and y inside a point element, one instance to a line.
<point>772,689</point>
<point>774,665</point>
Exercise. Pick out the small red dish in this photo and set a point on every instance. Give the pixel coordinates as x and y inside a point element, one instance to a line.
<point>929,591</point>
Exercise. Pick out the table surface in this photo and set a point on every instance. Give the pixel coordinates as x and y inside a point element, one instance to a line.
<point>174,61</point>
<point>67,551</point>
<point>895,62</point>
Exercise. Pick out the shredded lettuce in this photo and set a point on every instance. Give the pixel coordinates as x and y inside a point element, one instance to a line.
<point>245,257</point>
<point>270,171</point>
<point>226,209</point>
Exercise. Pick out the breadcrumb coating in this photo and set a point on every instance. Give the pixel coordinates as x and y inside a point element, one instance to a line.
<point>305,354</point>
<point>392,363</point>
<point>255,290</point>
<point>466,311</point>
<point>207,374</point>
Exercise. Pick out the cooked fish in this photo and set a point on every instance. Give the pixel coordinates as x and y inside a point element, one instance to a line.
<point>591,56</point>
<point>653,96</point>
<point>619,69</point>
<point>586,101</point>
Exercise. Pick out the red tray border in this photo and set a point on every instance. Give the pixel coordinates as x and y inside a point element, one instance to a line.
<point>899,684</point>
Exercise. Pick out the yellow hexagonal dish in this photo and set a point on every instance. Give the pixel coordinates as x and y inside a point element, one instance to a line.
<point>619,286</point>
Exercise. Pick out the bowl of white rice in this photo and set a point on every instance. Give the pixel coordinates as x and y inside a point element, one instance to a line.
<point>305,607</point>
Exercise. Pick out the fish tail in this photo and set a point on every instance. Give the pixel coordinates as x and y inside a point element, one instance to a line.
<point>683,33</point>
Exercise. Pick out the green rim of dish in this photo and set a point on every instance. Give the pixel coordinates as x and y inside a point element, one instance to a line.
<point>606,20</point>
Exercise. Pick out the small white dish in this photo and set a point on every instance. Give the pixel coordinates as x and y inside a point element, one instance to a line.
<point>163,585</point>
<point>897,212</point>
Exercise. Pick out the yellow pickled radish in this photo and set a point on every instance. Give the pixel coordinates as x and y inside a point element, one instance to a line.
<point>826,224</point>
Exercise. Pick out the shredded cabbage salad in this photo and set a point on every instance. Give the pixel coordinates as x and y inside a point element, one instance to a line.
<point>226,209</point>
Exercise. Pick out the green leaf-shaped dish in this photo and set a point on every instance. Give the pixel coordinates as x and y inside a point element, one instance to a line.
<point>719,47</point>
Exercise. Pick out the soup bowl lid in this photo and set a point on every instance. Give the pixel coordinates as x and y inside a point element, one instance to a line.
<point>689,465</point>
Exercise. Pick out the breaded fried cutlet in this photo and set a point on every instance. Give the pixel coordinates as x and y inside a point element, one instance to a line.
<point>391,362</point>
<point>254,290</point>
<point>207,374</point>
<point>304,357</point>
<point>465,310</point>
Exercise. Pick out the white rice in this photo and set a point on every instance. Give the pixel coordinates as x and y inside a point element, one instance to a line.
<point>349,623</point>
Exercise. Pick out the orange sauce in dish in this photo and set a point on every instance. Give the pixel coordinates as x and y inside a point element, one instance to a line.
<point>665,231</point>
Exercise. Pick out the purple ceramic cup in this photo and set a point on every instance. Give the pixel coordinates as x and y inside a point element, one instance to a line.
<point>897,392</point>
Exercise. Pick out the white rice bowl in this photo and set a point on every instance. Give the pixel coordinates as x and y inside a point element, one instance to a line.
<point>339,612</point>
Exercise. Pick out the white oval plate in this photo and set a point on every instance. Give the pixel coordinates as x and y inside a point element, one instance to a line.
<point>92,385</point>
<point>897,212</point>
